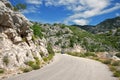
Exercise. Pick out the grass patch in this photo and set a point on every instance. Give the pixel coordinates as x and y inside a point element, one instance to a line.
<point>112,68</point>
<point>116,74</point>
<point>50,57</point>
<point>6,60</point>
<point>90,54</point>
<point>50,49</point>
<point>26,69</point>
<point>108,62</point>
<point>87,54</point>
<point>2,71</point>
<point>115,63</point>
<point>45,59</point>
<point>37,60</point>
<point>34,65</point>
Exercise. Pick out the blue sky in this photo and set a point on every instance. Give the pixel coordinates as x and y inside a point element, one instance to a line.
<point>81,12</point>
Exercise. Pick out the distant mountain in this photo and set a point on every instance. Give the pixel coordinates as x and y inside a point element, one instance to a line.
<point>102,27</point>
<point>88,28</point>
<point>107,25</point>
<point>108,31</point>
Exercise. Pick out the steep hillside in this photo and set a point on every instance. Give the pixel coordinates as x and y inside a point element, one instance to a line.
<point>18,50</point>
<point>113,36</point>
<point>73,39</point>
<point>108,32</point>
<point>61,37</point>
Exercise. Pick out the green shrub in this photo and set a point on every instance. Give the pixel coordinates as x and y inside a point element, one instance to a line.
<point>37,31</point>
<point>45,59</point>
<point>63,46</point>
<point>6,60</point>
<point>74,54</point>
<point>35,66</point>
<point>33,38</point>
<point>59,33</point>
<point>20,6</point>
<point>27,69</point>
<point>82,55</point>
<point>1,71</point>
<point>37,60</point>
<point>30,63</point>
<point>90,54</point>
<point>63,26</point>
<point>107,61</point>
<point>50,56</point>
<point>42,54</point>
<point>24,39</point>
<point>112,68</point>
<point>72,41</point>
<point>50,49</point>
<point>116,74</point>
<point>115,63</point>
<point>58,42</point>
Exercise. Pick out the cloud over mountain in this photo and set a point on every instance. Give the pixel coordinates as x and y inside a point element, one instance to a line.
<point>82,10</point>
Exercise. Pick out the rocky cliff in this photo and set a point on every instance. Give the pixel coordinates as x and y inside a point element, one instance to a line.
<point>16,44</point>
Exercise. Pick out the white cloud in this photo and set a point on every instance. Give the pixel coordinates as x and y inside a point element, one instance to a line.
<point>117,6</point>
<point>80,21</point>
<point>36,2</point>
<point>84,9</point>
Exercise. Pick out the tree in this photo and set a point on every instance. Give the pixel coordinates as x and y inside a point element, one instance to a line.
<point>19,7</point>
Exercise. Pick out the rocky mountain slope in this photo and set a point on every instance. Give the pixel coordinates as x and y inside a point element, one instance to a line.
<point>107,31</point>
<point>113,36</point>
<point>17,48</point>
<point>73,39</point>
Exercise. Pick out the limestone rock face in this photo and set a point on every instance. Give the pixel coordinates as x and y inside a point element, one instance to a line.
<point>16,44</point>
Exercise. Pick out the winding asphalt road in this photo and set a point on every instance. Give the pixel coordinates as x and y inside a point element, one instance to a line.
<point>66,67</point>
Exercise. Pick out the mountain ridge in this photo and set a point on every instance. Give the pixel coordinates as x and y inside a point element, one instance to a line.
<point>106,25</point>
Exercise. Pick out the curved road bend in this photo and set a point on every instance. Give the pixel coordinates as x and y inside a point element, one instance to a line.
<point>66,67</point>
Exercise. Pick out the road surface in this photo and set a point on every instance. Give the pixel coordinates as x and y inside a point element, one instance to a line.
<point>66,67</point>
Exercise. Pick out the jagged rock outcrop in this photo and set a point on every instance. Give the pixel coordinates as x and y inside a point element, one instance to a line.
<point>16,44</point>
